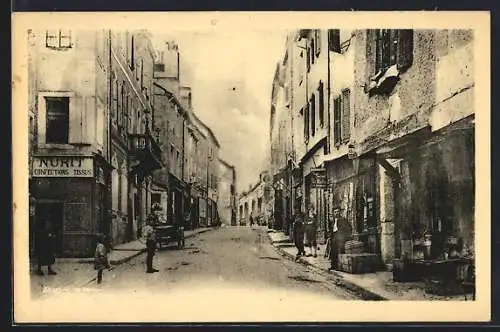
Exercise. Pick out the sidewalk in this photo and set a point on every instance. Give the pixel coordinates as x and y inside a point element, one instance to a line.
<point>372,286</point>
<point>79,272</point>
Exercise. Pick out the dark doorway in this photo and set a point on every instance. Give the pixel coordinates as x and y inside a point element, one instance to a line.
<point>53,213</point>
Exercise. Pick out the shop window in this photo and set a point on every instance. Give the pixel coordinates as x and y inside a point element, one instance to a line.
<point>114,189</point>
<point>341,118</point>
<point>393,47</point>
<point>58,39</point>
<point>57,125</point>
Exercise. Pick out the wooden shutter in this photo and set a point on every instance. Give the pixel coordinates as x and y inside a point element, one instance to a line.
<point>386,49</point>
<point>321,104</point>
<point>308,54</point>
<point>318,41</point>
<point>313,114</point>
<point>334,40</point>
<point>346,115</point>
<point>393,46</point>
<point>312,50</point>
<point>405,49</point>
<point>336,121</point>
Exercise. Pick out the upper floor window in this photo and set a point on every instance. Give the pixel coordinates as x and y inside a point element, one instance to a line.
<point>341,118</point>
<point>393,47</point>
<point>321,105</point>
<point>57,126</point>
<point>334,40</point>
<point>313,114</point>
<point>317,41</point>
<point>306,122</point>
<point>58,39</point>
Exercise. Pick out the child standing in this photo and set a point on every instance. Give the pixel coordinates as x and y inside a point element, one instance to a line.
<point>100,257</point>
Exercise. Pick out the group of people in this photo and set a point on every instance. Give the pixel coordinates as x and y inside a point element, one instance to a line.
<point>45,253</point>
<point>305,235</point>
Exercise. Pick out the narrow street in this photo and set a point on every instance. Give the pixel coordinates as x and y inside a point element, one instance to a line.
<point>236,256</point>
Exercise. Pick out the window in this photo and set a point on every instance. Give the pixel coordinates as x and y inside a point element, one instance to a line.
<point>313,114</point>
<point>57,125</point>
<point>341,117</point>
<point>132,58</point>
<point>142,73</point>
<point>58,39</point>
<point>334,40</point>
<point>115,179</point>
<point>116,99</point>
<point>336,121</point>
<point>306,122</point>
<point>124,189</point>
<point>321,104</point>
<point>393,47</point>
<point>159,67</point>
<point>308,54</point>
<point>346,115</point>
<point>312,49</point>
<point>122,101</point>
<point>317,36</point>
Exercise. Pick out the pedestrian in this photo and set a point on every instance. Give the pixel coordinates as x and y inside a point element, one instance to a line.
<point>333,252</point>
<point>101,261</point>
<point>298,232</point>
<point>44,239</point>
<point>251,219</point>
<point>311,231</point>
<point>150,239</point>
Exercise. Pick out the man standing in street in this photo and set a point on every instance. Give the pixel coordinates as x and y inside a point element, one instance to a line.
<point>334,254</point>
<point>150,236</point>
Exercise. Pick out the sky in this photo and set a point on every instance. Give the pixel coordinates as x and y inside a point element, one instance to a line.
<point>230,74</point>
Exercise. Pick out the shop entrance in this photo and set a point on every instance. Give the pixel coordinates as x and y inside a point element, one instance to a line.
<point>51,212</point>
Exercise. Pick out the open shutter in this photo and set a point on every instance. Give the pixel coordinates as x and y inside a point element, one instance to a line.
<point>336,121</point>
<point>334,40</point>
<point>308,54</point>
<point>313,115</point>
<point>321,105</point>
<point>318,41</point>
<point>405,49</point>
<point>75,120</point>
<point>346,115</point>
<point>393,46</point>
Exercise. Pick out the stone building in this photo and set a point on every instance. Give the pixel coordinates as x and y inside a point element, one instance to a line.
<point>91,121</point>
<point>227,193</point>
<point>397,140</point>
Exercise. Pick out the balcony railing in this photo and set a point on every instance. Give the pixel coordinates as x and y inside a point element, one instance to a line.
<point>146,152</point>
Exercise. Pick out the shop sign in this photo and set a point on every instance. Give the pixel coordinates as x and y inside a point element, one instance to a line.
<point>63,166</point>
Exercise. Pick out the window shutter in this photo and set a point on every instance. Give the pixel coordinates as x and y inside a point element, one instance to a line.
<point>75,120</point>
<point>321,104</point>
<point>334,40</point>
<point>346,115</point>
<point>405,49</point>
<point>393,46</point>
<point>386,48</point>
<point>318,42</point>
<point>306,122</point>
<point>312,49</point>
<point>308,59</point>
<point>313,115</point>
<point>336,120</point>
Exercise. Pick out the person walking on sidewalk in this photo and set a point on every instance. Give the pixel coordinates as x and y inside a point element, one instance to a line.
<point>298,233</point>
<point>150,239</point>
<point>311,233</point>
<point>333,254</point>
<point>44,248</point>
<point>100,257</point>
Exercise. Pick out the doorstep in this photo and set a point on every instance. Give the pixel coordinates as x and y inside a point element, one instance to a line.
<point>371,286</point>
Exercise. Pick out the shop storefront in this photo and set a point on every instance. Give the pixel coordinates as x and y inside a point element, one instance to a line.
<point>72,193</point>
<point>176,196</point>
<point>352,194</point>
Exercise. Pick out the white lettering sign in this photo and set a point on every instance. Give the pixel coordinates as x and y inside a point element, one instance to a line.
<point>63,166</point>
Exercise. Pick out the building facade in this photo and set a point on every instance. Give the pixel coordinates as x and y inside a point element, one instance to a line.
<point>380,141</point>
<point>109,132</point>
<point>227,193</point>
<point>89,113</point>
